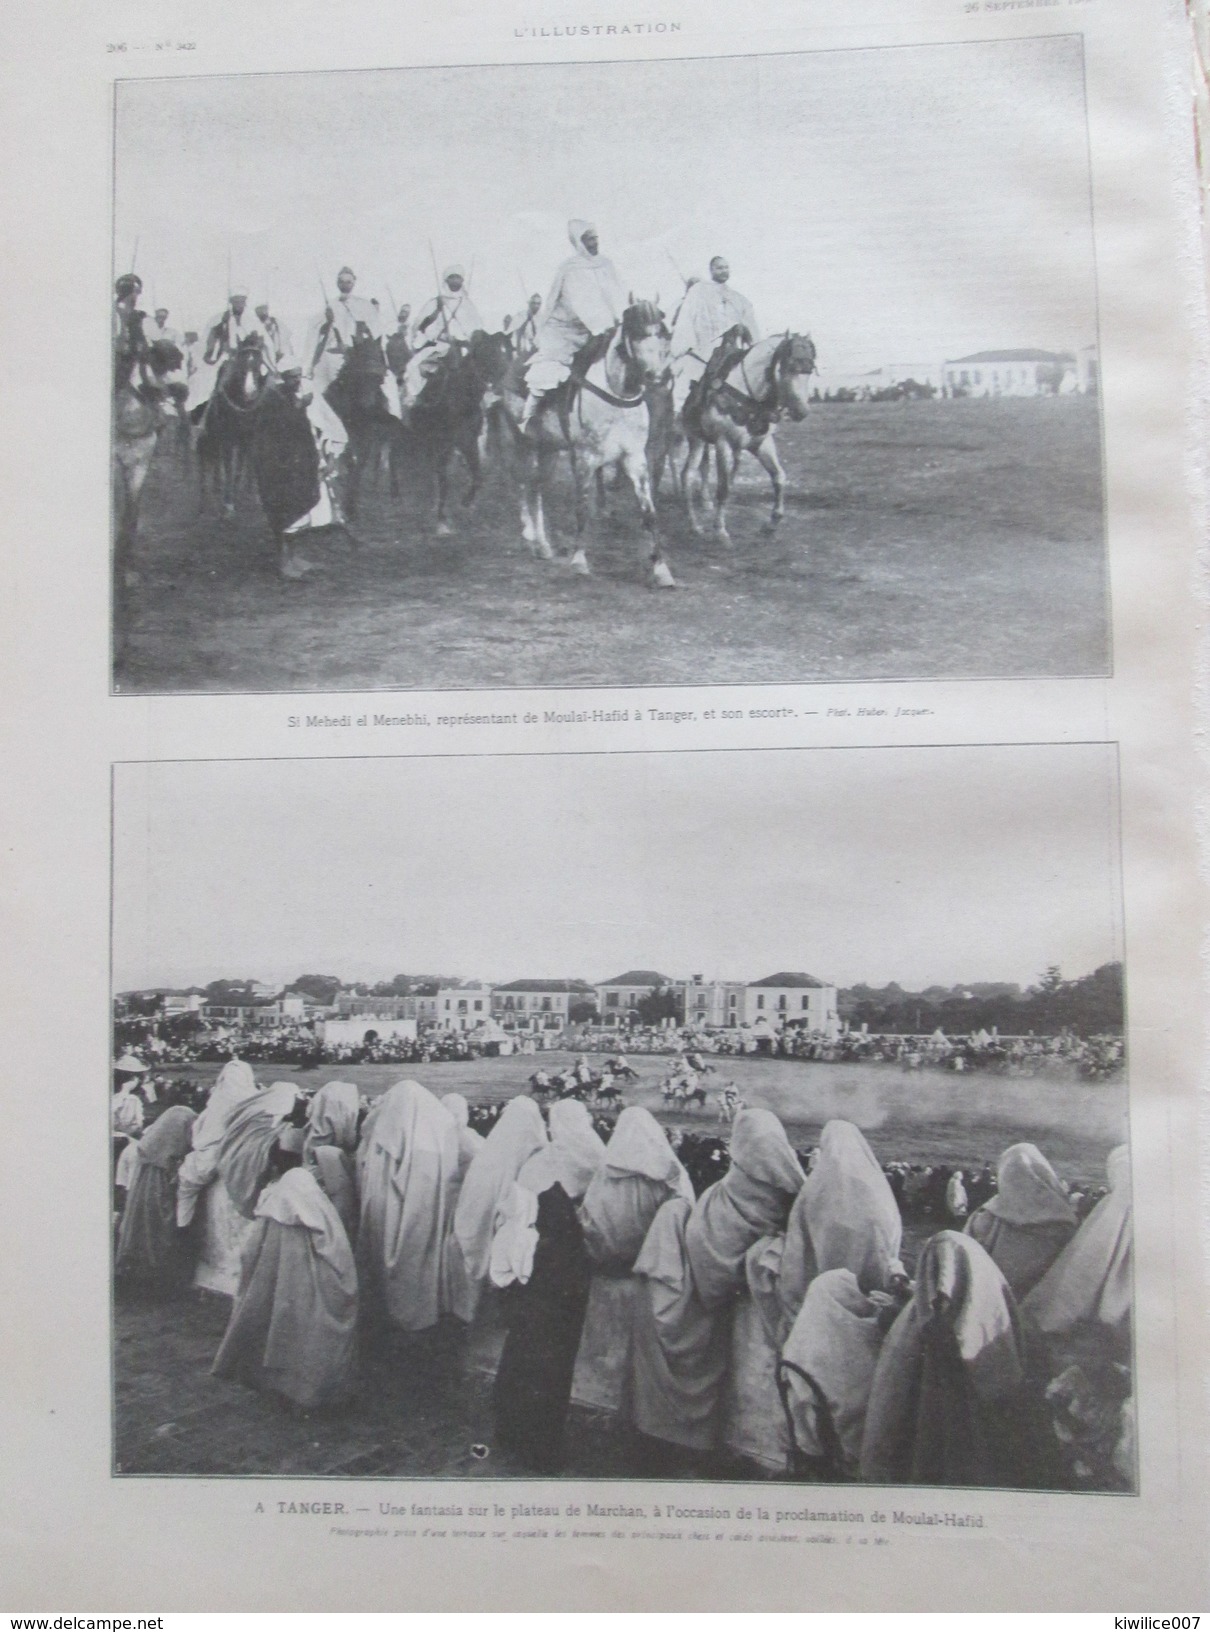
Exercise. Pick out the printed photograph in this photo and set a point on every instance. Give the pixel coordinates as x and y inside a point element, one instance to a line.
<point>709,1116</point>
<point>753,369</point>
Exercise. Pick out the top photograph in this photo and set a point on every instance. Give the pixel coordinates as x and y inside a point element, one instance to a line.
<point>755,369</point>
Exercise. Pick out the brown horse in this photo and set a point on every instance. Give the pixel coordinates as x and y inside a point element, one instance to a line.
<point>447,416</point>
<point>746,389</point>
<point>224,444</point>
<point>600,418</point>
<point>356,395</point>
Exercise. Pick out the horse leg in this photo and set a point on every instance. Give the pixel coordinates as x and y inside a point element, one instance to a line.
<point>726,459</point>
<point>227,480</point>
<point>470,452</point>
<point>536,475</point>
<point>692,478</point>
<point>766,452</point>
<point>443,486</point>
<point>634,464</point>
<point>585,473</point>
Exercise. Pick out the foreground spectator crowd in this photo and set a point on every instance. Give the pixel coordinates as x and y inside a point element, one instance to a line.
<point>1002,1356</point>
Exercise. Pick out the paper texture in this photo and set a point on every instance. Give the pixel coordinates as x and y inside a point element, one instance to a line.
<point>732,644</point>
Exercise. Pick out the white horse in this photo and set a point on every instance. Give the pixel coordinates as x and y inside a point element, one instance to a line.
<point>744,391</point>
<point>600,419</point>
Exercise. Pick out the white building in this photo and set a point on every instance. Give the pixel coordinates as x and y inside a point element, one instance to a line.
<point>1023,372</point>
<point>538,1006</point>
<point>462,1008</point>
<point>355,1030</point>
<point>616,997</point>
<point>792,998</point>
<point>713,1003</point>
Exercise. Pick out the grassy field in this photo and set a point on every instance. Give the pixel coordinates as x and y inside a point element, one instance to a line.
<point>917,1116</point>
<point>921,539</point>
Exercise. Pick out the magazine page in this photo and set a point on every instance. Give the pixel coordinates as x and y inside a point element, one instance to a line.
<point>603,991</point>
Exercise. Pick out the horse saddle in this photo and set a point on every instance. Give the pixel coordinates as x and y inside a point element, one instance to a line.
<point>730,348</point>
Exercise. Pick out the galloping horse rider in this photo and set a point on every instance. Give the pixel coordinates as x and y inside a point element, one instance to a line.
<point>708,310</point>
<point>450,316</point>
<point>586,299</point>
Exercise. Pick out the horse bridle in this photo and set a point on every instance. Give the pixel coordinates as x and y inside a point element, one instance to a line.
<point>235,407</point>
<point>774,369</point>
<point>582,382</point>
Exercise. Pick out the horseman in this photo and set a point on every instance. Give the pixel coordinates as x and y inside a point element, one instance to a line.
<point>351,321</point>
<point>586,299</point>
<point>129,338</point>
<point>398,345</point>
<point>449,318</point>
<point>707,312</point>
<point>277,337</point>
<point>159,330</point>
<point>221,339</point>
<point>525,335</point>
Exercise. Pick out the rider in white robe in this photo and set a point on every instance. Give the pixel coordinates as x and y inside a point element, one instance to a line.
<point>221,339</point>
<point>333,332</point>
<point>449,316</point>
<point>277,336</point>
<point>708,310</point>
<point>587,298</point>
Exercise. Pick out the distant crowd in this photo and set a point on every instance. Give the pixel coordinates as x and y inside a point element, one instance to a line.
<point>300,1044</point>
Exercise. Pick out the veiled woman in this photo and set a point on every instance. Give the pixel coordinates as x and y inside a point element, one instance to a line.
<point>845,1217</point>
<point>470,1143</point>
<point>328,1146</point>
<point>154,1256</point>
<point>947,1402</point>
<point>827,1371</point>
<point>519,1134</point>
<point>233,1087</point>
<point>639,1174</point>
<point>407,1175</point>
<point>573,1156</point>
<point>1089,1282</point>
<point>293,1325</point>
<point>544,1312</point>
<point>251,1134</point>
<point>692,1266</point>
<point>1029,1220</point>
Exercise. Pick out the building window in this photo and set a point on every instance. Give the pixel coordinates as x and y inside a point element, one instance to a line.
<point>546,1005</point>
<point>806,1002</point>
<point>781,1003</point>
<point>760,1000</point>
<point>478,1005</point>
<point>611,1000</point>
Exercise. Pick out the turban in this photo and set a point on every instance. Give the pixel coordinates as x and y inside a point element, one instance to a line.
<point>576,230</point>
<point>238,289</point>
<point>128,284</point>
<point>349,270</point>
<point>454,271</point>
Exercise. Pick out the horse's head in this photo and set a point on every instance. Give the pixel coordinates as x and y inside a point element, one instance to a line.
<point>242,377</point>
<point>645,338</point>
<point>793,366</point>
<point>490,355</point>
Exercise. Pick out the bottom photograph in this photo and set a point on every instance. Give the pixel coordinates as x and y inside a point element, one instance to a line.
<point>723,1115</point>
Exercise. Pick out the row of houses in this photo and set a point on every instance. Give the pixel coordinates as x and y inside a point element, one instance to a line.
<point>535,1006</point>
<point>1011,372</point>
